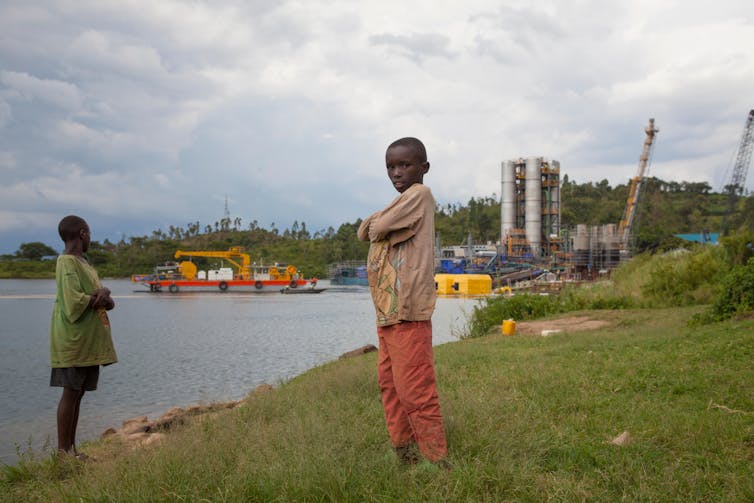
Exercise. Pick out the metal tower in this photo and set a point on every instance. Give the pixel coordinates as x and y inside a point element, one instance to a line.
<point>624,228</point>
<point>741,166</point>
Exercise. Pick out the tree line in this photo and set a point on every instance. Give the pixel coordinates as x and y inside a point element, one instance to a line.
<point>664,209</point>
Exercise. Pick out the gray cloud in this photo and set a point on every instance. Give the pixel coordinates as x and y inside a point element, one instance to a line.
<point>417,47</point>
<point>141,115</point>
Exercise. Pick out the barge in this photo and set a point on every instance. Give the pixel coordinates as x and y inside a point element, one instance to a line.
<point>182,276</point>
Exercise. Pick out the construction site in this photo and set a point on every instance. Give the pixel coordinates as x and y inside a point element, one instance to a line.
<point>531,231</point>
<point>534,243</point>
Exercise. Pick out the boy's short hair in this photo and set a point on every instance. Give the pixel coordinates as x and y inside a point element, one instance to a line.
<point>70,226</point>
<point>413,143</point>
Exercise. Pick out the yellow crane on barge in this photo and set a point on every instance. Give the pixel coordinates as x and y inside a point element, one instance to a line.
<point>234,255</point>
<point>240,259</point>
<point>256,277</point>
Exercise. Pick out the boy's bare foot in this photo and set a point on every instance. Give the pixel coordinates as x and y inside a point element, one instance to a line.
<point>408,454</point>
<point>84,458</point>
<point>444,464</point>
<point>435,466</point>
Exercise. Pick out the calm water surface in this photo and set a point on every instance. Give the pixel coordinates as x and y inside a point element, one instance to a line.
<point>179,349</point>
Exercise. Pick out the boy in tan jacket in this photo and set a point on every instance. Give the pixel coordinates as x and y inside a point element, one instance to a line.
<point>400,269</point>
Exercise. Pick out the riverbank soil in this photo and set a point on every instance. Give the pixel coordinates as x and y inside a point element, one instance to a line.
<point>561,325</point>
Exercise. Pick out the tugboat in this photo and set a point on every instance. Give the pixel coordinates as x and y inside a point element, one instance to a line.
<point>175,277</point>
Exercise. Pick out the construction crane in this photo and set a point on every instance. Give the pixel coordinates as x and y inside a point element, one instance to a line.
<point>233,255</point>
<point>244,270</point>
<point>624,228</point>
<point>737,183</point>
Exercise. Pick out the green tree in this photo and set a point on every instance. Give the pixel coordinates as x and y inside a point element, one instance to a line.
<point>34,251</point>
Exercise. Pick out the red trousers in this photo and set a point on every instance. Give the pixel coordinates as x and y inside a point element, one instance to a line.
<point>406,374</point>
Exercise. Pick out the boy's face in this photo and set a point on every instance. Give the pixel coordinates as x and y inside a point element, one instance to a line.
<point>85,238</point>
<point>404,167</point>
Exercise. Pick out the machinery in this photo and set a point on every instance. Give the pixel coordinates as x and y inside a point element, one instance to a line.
<point>743,157</point>
<point>624,228</point>
<point>254,277</point>
<point>233,255</point>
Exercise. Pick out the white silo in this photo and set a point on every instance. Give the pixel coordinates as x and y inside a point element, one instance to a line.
<point>533,200</point>
<point>508,200</point>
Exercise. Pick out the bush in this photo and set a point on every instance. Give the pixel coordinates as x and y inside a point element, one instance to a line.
<point>739,248</point>
<point>681,278</point>
<point>735,295</point>
<point>27,269</point>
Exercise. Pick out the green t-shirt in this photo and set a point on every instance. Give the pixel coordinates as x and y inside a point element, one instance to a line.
<point>79,335</point>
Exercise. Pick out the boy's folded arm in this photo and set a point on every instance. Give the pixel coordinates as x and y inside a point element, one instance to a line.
<point>398,221</point>
<point>363,232</point>
<point>397,229</point>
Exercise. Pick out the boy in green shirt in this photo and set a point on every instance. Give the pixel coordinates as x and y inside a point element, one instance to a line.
<point>80,339</point>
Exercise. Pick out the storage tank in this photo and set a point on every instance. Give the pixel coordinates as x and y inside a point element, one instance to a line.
<point>581,240</point>
<point>533,199</point>
<point>508,199</point>
<point>581,245</point>
<point>612,245</point>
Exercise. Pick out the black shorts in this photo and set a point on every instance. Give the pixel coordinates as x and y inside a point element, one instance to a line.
<point>76,378</point>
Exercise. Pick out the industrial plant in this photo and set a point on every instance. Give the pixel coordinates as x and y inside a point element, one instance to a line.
<point>534,243</point>
<point>530,226</point>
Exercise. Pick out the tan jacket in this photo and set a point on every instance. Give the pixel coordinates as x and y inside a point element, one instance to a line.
<point>401,261</point>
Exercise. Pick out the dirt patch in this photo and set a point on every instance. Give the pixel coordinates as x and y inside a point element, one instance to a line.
<point>560,325</point>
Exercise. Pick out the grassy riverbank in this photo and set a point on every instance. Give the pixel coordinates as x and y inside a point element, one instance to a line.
<point>529,418</point>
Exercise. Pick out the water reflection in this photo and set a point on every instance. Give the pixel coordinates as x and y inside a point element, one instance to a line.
<point>180,349</point>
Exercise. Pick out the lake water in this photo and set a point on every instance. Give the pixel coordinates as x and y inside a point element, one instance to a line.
<point>179,349</point>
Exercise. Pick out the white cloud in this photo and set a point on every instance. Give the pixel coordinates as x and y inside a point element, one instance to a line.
<point>156,111</point>
<point>96,49</point>
<point>15,221</point>
<point>55,92</point>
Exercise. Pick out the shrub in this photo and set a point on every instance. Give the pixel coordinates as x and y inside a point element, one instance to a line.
<point>739,248</point>
<point>682,278</point>
<point>735,295</point>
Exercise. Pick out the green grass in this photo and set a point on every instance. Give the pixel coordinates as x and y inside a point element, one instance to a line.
<point>528,419</point>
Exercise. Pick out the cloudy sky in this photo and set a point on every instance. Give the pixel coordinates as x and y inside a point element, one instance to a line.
<point>138,115</point>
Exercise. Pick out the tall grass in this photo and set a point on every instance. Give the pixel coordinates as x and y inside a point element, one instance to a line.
<point>700,276</point>
<point>528,419</point>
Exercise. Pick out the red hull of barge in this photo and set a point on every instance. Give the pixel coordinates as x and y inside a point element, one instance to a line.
<point>175,286</point>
